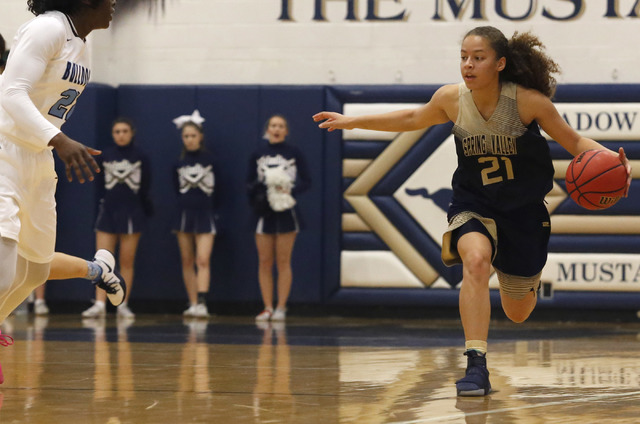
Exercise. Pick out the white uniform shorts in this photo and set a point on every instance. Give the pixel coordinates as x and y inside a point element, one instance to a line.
<point>27,200</point>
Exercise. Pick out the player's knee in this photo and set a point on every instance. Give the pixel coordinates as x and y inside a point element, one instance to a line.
<point>476,263</point>
<point>518,316</point>
<point>37,275</point>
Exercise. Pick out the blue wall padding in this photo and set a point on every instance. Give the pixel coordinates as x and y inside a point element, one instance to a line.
<point>77,205</point>
<point>363,241</point>
<point>382,93</point>
<point>420,240</point>
<point>597,93</point>
<point>346,206</point>
<point>594,243</point>
<point>363,149</point>
<point>235,116</point>
<point>331,198</point>
<point>416,155</point>
<point>631,149</point>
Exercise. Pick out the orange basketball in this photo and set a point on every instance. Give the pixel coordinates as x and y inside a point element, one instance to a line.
<point>596,179</point>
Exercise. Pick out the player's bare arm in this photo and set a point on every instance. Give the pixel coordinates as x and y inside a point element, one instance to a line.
<point>533,105</point>
<point>76,156</point>
<point>436,111</point>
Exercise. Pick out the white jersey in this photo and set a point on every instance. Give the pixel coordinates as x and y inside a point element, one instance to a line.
<point>47,70</point>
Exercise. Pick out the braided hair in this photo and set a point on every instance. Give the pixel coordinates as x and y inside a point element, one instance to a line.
<point>527,64</point>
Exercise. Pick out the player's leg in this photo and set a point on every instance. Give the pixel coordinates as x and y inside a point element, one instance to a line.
<point>29,276</point>
<point>523,253</point>
<point>108,242</point>
<point>40,305</point>
<point>475,307</point>
<point>204,247</point>
<point>187,258</point>
<point>284,250</point>
<point>128,249</point>
<point>475,249</point>
<point>518,295</point>
<point>266,244</point>
<point>8,261</point>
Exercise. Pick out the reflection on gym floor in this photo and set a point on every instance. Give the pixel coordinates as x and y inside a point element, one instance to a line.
<point>161,369</point>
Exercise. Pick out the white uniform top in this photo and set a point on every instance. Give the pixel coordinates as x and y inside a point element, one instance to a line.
<point>47,69</point>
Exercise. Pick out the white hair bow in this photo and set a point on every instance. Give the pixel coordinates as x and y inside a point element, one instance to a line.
<point>195,117</point>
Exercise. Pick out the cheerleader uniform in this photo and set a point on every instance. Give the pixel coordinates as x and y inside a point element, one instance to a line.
<point>504,172</point>
<point>125,205</point>
<point>290,159</point>
<point>194,180</point>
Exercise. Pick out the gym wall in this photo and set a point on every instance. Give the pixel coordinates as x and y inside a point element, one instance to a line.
<point>386,252</point>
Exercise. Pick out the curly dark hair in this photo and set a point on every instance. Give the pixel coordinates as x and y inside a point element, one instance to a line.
<point>38,7</point>
<point>527,63</point>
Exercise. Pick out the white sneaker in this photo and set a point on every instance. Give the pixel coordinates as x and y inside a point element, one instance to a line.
<point>98,310</point>
<point>110,281</point>
<point>40,308</point>
<point>190,312</point>
<point>264,315</point>
<point>279,315</point>
<point>201,311</point>
<point>124,311</point>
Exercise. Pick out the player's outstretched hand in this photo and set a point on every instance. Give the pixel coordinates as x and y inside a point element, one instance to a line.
<point>76,156</point>
<point>627,165</point>
<point>332,121</point>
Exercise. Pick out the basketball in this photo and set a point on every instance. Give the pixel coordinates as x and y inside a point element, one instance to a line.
<point>596,179</point>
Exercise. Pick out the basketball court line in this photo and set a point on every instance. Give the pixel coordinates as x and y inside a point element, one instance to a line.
<point>500,410</point>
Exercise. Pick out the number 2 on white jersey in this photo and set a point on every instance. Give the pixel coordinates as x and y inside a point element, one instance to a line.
<point>63,106</point>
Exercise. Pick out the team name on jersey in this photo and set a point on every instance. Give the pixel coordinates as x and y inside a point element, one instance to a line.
<point>76,74</point>
<point>481,144</point>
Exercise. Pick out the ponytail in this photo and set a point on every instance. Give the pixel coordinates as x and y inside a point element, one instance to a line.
<point>529,65</point>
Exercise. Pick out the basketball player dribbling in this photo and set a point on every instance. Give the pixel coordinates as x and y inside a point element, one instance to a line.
<point>497,214</point>
<point>46,71</point>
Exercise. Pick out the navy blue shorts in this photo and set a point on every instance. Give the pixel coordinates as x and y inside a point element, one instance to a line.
<point>196,221</point>
<point>279,223</point>
<point>522,237</point>
<point>120,220</point>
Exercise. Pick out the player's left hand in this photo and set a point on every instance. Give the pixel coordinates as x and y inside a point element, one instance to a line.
<point>76,157</point>
<point>627,165</point>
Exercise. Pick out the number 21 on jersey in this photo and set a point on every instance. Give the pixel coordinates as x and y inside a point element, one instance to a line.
<point>496,169</point>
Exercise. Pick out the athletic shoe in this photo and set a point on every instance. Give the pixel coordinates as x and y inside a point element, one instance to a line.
<point>201,311</point>
<point>110,281</point>
<point>190,312</point>
<point>264,315</point>
<point>279,315</point>
<point>4,341</point>
<point>40,308</point>
<point>124,311</point>
<point>98,310</point>
<point>476,379</point>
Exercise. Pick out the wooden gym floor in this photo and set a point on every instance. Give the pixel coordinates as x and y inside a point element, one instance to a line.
<point>163,369</point>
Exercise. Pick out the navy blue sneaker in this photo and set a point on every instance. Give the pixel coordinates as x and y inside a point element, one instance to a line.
<point>110,280</point>
<point>476,379</point>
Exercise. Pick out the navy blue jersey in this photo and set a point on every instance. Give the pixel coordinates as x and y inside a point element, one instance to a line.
<point>283,155</point>
<point>126,178</point>
<point>502,165</point>
<point>195,181</point>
